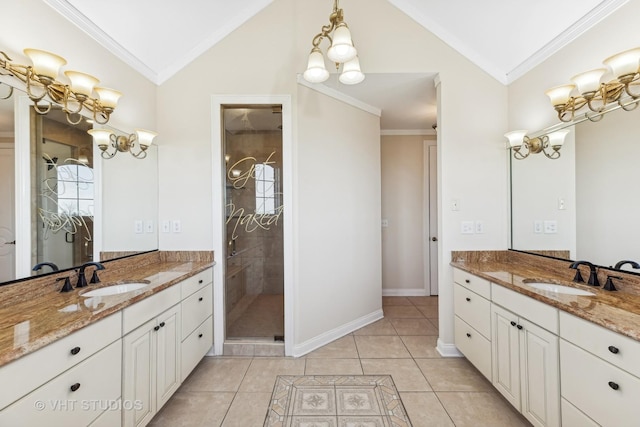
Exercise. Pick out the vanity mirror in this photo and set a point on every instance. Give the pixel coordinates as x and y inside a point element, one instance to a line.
<point>115,201</point>
<point>584,202</point>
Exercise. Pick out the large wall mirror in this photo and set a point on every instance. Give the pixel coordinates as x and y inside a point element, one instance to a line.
<point>81,207</point>
<point>585,202</point>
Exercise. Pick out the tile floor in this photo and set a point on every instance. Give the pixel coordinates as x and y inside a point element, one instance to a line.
<point>261,318</point>
<point>236,391</point>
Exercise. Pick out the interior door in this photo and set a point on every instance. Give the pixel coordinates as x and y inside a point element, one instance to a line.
<point>432,151</point>
<point>7,208</point>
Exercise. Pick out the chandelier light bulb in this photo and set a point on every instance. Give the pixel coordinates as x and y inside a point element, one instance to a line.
<point>560,95</point>
<point>108,97</point>
<point>45,64</point>
<point>316,71</point>
<point>145,137</point>
<point>516,138</point>
<point>342,49</point>
<point>351,73</point>
<point>556,139</point>
<point>81,83</point>
<point>624,63</point>
<point>589,81</point>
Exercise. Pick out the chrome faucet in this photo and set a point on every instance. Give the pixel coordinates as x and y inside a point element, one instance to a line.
<point>593,273</point>
<point>82,280</point>
<point>45,264</point>
<point>633,264</point>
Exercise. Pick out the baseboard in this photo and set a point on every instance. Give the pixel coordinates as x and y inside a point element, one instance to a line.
<point>419,292</point>
<point>448,350</point>
<point>332,335</point>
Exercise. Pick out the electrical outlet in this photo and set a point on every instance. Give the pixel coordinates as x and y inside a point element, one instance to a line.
<point>176,226</point>
<point>466,227</point>
<point>561,205</point>
<point>455,204</point>
<point>537,226</point>
<point>550,227</point>
<point>479,227</point>
<point>166,226</point>
<point>385,223</point>
<point>137,226</point>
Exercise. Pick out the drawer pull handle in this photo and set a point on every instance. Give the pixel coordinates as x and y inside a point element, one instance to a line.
<point>613,385</point>
<point>162,324</point>
<point>200,299</point>
<point>199,335</point>
<point>468,335</point>
<point>76,386</point>
<point>519,327</point>
<point>513,323</point>
<point>467,281</point>
<point>468,299</point>
<point>613,349</point>
<point>155,328</point>
<point>75,350</point>
<point>200,281</point>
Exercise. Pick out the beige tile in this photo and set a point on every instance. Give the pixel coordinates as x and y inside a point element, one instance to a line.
<point>262,373</point>
<point>449,374</point>
<point>342,348</point>
<point>217,374</point>
<point>248,410</point>
<point>429,311</point>
<point>269,350</point>
<point>239,349</point>
<point>333,367</point>
<point>430,301</point>
<point>381,347</point>
<point>480,409</point>
<point>405,373</point>
<point>425,410</point>
<point>401,311</point>
<point>422,346</point>
<point>381,327</point>
<point>395,301</point>
<point>187,409</point>
<point>413,327</point>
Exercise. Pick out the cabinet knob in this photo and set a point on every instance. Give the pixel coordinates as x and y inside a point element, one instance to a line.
<point>613,385</point>
<point>468,299</point>
<point>199,335</point>
<point>76,350</point>
<point>76,386</point>
<point>613,349</point>
<point>155,328</point>
<point>513,323</point>
<point>200,281</point>
<point>162,324</point>
<point>519,326</point>
<point>467,281</point>
<point>468,335</point>
<point>200,299</point>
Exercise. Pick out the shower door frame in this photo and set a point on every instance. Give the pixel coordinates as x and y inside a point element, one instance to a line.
<point>219,240</point>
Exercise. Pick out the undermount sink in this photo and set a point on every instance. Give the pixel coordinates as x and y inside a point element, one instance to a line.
<point>559,289</point>
<point>122,288</point>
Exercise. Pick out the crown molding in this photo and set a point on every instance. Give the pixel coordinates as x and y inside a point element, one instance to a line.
<point>407,132</point>
<point>319,87</point>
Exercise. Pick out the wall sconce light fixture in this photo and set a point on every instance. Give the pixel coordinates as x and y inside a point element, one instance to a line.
<point>599,97</point>
<point>40,80</point>
<point>105,140</point>
<point>341,51</point>
<point>518,139</point>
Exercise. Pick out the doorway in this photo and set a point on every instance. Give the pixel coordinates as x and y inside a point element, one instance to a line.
<point>7,222</point>
<point>254,257</point>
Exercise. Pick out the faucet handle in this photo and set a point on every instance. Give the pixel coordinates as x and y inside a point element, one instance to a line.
<point>609,286</point>
<point>67,284</point>
<point>578,277</point>
<point>94,277</point>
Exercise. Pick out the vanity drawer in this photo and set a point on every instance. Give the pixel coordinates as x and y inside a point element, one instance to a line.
<point>142,311</point>
<point>475,347</point>
<point>623,352</point>
<point>196,346</point>
<point>537,312</point>
<point>98,379</point>
<point>474,283</point>
<point>473,309</point>
<point>31,371</point>
<point>590,383</point>
<point>193,283</point>
<point>196,308</point>
<point>573,417</point>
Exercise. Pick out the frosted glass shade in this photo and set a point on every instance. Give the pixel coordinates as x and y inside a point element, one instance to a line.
<point>145,138</point>
<point>81,83</point>
<point>516,137</point>
<point>45,63</point>
<point>342,49</point>
<point>108,97</point>
<point>559,95</point>
<point>589,81</point>
<point>556,139</point>
<point>624,63</point>
<point>351,73</point>
<point>101,137</point>
<point>316,71</point>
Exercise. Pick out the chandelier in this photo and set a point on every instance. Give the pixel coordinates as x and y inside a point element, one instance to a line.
<point>105,140</point>
<point>519,139</point>
<point>341,52</point>
<point>40,81</point>
<point>596,97</point>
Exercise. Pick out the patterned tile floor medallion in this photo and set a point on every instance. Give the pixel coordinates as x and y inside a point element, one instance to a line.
<point>336,401</point>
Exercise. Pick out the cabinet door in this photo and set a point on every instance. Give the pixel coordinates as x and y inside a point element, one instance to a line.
<point>540,375</point>
<point>138,378</point>
<point>506,364</point>
<point>168,354</point>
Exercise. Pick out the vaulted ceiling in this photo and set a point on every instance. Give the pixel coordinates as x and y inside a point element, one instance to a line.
<point>506,38</point>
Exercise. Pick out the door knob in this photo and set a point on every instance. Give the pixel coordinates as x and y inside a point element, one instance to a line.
<point>434,239</point>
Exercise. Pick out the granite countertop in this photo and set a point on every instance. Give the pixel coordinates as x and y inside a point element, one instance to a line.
<point>31,319</point>
<point>618,311</point>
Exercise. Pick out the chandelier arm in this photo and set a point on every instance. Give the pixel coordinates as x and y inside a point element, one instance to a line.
<point>629,106</point>
<point>101,113</point>
<point>38,109</point>
<point>10,92</point>
<point>68,114</point>
<point>519,156</point>
<point>139,155</point>
<point>627,88</point>
<point>105,154</point>
<point>554,155</point>
<point>594,117</point>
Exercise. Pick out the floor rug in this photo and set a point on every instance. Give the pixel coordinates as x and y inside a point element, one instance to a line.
<point>336,401</point>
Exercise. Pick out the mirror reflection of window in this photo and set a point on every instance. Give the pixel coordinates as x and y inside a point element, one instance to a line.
<point>75,190</point>
<point>265,189</point>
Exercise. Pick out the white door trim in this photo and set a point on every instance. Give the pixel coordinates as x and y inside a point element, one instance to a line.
<point>428,231</point>
<point>217,101</point>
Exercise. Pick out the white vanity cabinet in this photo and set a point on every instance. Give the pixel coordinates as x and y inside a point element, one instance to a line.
<point>197,320</point>
<point>472,321</point>
<point>525,355</point>
<point>600,375</point>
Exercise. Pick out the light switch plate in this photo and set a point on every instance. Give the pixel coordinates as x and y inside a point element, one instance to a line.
<point>176,226</point>
<point>466,227</point>
<point>550,227</point>
<point>148,226</point>
<point>166,226</point>
<point>137,226</point>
